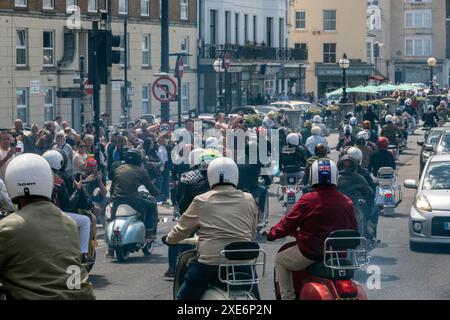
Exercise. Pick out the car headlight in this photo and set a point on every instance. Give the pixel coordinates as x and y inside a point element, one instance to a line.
<point>422,204</point>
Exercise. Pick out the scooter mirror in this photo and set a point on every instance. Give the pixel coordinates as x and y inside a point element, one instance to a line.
<point>429,148</point>
<point>420,142</point>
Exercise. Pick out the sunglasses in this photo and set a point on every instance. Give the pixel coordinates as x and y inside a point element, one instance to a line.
<point>82,146</point>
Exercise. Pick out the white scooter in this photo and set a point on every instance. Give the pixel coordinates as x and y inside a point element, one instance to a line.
<point>126,233</point>
<point>293,189</point>
<point>231,284</point>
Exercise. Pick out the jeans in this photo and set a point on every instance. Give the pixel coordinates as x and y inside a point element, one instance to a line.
<point>260,194</point>
<point>175,251</point>
<point>199,276</point>
<point>142,205</point>
<point>84,223</point>
<point>164,185</point>
<point>372,223</point>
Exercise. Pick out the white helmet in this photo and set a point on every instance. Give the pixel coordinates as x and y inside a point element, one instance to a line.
<point>353,121</point>
<point>389,118</point>
<point>348,129</point>
<point>293,139</point>
<point>323,172</point>
<point>54,159</point>
<point>317,119</point>
<point>356,154</point>
<point>194,157</point>
<point>211,143</point>
<point>316,131</point>
<point>223,171</point>
<point>29,175</point>
<point>363,135</point>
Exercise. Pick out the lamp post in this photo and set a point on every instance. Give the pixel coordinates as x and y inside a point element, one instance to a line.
<point>431,63</point>
<point>344,64</point>
<point>218,67</point>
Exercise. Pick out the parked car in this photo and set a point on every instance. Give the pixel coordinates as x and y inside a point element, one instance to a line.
<point>428,146</point>
<point>443,146</point>
<point>293,105</point>
<point>245,110</point>
<point>429,221</point>
<point>263,110</point>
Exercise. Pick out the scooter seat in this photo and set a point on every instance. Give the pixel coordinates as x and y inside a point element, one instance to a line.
<point>320,270</point>
<point>125,210</point>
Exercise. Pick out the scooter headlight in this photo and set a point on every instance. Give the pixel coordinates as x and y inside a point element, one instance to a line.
<point>421,203</point>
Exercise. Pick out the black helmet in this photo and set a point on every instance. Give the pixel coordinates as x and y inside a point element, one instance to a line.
<point>133,156</point>
<point>122,153</point>
<point>347,165</point>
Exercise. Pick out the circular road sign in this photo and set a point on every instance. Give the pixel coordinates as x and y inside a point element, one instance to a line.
<point>164,127</point>
<point>88,88</point>
<point>180,67</point>
<point>164,89</point>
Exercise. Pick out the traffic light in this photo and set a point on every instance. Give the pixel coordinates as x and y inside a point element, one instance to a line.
<point>106,56</point>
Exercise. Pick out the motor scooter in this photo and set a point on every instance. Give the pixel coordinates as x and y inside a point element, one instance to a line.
<point>231,284</point>
<point>126,233</point>
<point>332,279</point>
<point>388,195</point>
<point>292,191</point>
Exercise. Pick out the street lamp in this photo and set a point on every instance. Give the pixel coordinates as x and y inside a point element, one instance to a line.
<point>344,64</point>
<point>431,63</point>
<point>218,67</point>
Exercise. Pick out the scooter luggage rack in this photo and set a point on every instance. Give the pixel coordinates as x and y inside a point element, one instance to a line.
<point>231,279</point>
<point>385,176</point>
<point>357,256</point>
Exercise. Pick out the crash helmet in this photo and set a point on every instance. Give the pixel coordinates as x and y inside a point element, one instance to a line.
<point>323,172</point>
<point>389,119</point>
<point>382,143</point>
<point>316,131</point>
<point>347,164</point>
<point>54,159</point>
<point>201,158</point>
<point>317,119</point>
<point>356,154</point>
<point>353,121</point>
<point>223,171</point>
<point>363,135</point>
<point>211,143</point>
<point>348,129</point>
<point>293,139</point>
<point>134,157</point>
<point>367,124</point>
<point>29,175</point>
<point>408,102</point>
<point>430,107</point>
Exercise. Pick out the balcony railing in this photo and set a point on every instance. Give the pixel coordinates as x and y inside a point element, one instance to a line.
<point>251,52</point>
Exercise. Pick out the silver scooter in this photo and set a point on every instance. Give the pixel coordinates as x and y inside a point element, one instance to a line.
<point>126,233</point>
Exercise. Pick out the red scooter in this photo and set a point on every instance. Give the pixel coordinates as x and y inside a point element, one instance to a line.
<point>331,279</point>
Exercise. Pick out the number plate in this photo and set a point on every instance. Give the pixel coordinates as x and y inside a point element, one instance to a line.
<point>291,199</point>
<point>447,226</point>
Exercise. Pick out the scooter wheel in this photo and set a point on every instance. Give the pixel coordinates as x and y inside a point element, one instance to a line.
<point>122,254</point>
<point>89,266</point>
<point>148,248</point>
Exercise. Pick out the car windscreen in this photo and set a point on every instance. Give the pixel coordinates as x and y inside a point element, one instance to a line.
<point>265,110</point>
<point>444,145</point>
<point>303,107</point>
<point>433,137</point>
<point>437,176</point>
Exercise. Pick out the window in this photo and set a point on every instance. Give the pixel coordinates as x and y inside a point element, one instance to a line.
<point>329,52</point>
<point>418,46</point>
<point>418,1</point>
<point>146,50</point>
<point>245,28</point>
<point>145,8</point>
<point>300,20</point>
<point>49,104</point>
<point>48,48</point>
<point>122,49</point>
<point>47,4</point>
<point>369,51</point>
<point>21,3</point>
<point>92,5</point>
<point>160,8</point>
<point>185,48</point>
<point>227,26</point>
<point>185,97</point>
<point>213,26</point>
<point>146,99</point>
<point>184,10</point>
<point>70,3</point>
<point>418,19</point>
<point>329,20</point>
<point>255,29</point>
<point>281,32</point>
<point>236,28</point>
<point>269,31</point>
<point>21,48</point>
<point>22,104</point>
<point>123,6</point>
<point>300,46</point>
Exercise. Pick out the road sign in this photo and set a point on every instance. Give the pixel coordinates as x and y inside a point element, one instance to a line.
<point>226,60</point>
<point>164,127</point>
<point>164,89</point>
<point>35,87</point>
<point>88,88</point>
<point>180,68</point>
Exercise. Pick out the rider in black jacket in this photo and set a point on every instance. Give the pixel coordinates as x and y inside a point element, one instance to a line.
<point>381,158</point>
<point>430,117</point>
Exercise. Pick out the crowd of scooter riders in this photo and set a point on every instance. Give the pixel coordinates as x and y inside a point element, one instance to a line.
<point>55,169</point>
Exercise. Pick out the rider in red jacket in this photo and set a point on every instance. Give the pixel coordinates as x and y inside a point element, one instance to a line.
<point>316,215</point>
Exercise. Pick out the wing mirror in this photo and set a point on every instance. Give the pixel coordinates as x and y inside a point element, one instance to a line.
<point>410,184</point>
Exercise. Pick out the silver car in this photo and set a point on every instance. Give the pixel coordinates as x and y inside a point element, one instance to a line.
<point>429,221</point>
